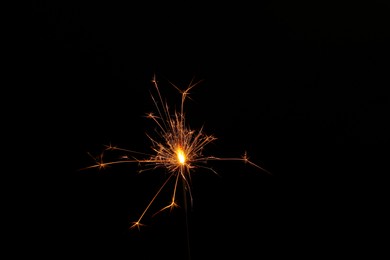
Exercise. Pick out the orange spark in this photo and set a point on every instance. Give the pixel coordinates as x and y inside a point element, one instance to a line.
<point>176,148</point>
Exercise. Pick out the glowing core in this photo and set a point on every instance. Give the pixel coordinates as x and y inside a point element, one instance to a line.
<point>181,156</point>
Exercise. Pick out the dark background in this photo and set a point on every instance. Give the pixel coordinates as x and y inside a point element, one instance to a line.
<point>301,87</point>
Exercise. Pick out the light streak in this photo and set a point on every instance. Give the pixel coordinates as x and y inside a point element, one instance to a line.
<point>177,148</point>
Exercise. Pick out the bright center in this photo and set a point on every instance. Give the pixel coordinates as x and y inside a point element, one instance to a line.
<point>181,156</point>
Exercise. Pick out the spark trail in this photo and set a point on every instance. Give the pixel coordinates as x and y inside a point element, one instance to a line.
<point>176,148</point>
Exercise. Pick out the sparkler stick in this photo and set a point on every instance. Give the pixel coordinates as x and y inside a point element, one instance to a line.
<point>177,148</point>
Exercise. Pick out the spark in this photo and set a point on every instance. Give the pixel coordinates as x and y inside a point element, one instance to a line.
<point>176,148</point>
<point>181,156</point>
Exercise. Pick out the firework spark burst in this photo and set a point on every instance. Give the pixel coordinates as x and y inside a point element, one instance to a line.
<point>177,148</point>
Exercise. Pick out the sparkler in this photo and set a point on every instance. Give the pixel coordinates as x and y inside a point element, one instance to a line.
<point>178,149</point>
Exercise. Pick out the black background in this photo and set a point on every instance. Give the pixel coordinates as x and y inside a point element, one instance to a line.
<point>301,87</point>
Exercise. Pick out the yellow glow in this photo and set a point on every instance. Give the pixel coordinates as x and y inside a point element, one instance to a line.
<point>181,156</point>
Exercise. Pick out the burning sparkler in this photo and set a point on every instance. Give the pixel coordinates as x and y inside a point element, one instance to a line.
<point>178,149</point>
